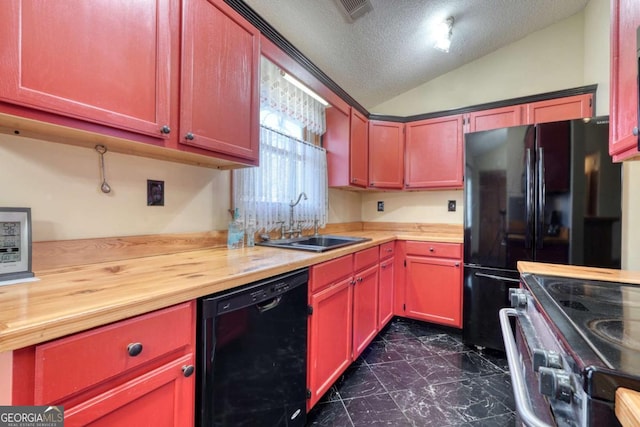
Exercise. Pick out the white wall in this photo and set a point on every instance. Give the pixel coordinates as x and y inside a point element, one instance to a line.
<point>61,184</point>
<point>419,206</point>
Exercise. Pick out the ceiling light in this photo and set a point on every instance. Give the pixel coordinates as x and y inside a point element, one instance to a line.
<point>442,34</point>
<point>305,89</point>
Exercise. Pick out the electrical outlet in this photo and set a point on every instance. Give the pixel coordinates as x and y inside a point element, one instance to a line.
<point>451,206</point>
<point>380,206</point>
<point>155,193</point>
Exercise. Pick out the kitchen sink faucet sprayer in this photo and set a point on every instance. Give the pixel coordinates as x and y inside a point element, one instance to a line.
<point>291,206</point>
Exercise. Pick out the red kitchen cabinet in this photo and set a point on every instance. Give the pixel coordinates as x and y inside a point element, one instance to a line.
<point>103,61</point>
<point>386,154</point>
<point>433,283</point>
<point>623,100</point>
<point>365,299</point>
<point>554,110</point>
<point>346,142</point>
<point>386,284</point>
<point>330,324</point>
<point>343,296</point>
<point>434,153</point>
<point>133,372</point>
<point>494,118</point>
<point>162,397</point>
<point>220,81</point>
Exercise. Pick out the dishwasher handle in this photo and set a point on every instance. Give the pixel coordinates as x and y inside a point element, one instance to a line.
<point>494,277</point>
<point>517,381</point>
<point>269,305</point>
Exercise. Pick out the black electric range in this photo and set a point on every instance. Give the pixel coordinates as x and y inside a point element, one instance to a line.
<point>583,340</point>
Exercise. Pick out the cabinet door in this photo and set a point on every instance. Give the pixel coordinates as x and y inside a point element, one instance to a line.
<point>555,110</point>
<point>434,290</point>
<point>336,142</point>
<point>329,338</point>
<point>220,68</point>
<point>494,119</point>
<point>386,154</point>
<point>359,157</point>
<point>623,107</point>
<point>433,157</point>
<point>365,309</point>
<point>385,292</point>
<point>162,397</point>
<point>104,61</point>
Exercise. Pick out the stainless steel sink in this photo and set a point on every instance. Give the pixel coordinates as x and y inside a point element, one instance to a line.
<point>319,243</point>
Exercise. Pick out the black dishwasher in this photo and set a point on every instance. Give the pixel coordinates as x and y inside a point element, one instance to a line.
<point>252,345</point>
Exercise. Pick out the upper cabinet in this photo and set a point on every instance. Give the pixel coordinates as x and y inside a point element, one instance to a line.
<point>623,108</point>
<point>386,154</point>
<point>104,61</point>
<point>434,152</point>
<point>359,157</point>
<point>346,142</point>
<point>554,110</point>
<point>118,68</point>
<point>494,118</point>
<point>220,80</point>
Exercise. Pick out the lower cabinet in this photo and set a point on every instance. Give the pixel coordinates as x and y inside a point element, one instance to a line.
<point>138,371</point>
<point>433,283</point>
<point>343,300</point>
<point>386,282</point>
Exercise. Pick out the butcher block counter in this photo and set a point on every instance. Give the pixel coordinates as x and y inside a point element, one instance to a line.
<point>72,299</point>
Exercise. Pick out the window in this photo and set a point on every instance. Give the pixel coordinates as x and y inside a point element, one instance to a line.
<point>289,166</point>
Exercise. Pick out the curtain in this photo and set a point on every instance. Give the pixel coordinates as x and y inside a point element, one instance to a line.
<point>287,168</point>
<point>280,95</point>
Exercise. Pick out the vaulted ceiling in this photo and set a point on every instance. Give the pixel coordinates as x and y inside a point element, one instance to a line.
<point>390,49</point>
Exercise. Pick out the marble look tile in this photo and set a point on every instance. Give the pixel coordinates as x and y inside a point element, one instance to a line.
<point>381,352</point>
<point>410,348</point>
<point>377,410</point>
<point>397,329</point>
<point>358,381</point>
<point>443,344</point>
<point>506,420</point>
<point>498,358</point>
<point>437,370</point>
<point>331,395</point>
<point>499,386</point>
<point>398,376</point>
<point>331,414</point>
<point>472,365</point>
<point>449,404</point>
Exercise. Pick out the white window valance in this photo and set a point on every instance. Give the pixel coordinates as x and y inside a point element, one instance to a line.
<point>281,95</point>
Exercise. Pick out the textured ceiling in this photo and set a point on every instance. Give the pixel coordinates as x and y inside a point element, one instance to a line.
<point>390,49</point>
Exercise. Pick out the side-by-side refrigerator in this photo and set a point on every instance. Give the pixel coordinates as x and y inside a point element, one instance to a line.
<point>546,193</point>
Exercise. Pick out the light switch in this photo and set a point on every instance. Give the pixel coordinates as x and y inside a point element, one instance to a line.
<point>380,206</point>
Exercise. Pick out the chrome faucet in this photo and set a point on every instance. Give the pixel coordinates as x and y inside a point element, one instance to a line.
<point>291,230</point>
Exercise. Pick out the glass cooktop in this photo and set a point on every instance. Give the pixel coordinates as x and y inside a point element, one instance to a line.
<point>605,314</point>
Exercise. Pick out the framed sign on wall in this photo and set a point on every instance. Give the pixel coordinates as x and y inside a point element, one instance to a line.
<point>15,243</point>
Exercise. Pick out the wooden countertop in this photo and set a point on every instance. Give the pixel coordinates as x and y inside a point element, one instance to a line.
<point>73,299</point>
<point>579,272</point>
<point>628,407</point>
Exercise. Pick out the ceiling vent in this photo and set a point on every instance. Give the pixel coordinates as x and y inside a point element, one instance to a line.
<point>354,9</point>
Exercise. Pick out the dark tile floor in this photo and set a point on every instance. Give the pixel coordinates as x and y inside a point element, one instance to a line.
<point>419,374</point>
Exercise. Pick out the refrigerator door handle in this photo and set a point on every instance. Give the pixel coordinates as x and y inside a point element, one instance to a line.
<point>529,199</point>
<point>540,208</point>
<point>494,277</point>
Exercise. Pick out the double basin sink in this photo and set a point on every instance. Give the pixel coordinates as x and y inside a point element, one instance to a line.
<point>320,243</point>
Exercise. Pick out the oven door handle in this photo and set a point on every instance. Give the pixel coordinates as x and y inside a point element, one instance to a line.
<point>517,382</point>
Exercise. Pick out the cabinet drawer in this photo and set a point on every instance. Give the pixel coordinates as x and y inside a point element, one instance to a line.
<point>365,258</point>
<point>75,363</point>
<point>387,250</point>
<point>322,275</point>
<point>442,250</point>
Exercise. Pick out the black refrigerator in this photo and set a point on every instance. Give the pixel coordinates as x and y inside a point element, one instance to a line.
<point>546,193</point>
